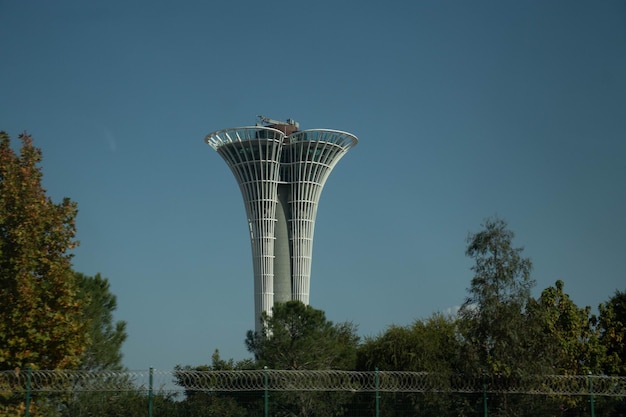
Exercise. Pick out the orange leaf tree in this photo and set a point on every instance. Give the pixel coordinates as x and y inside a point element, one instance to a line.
<point>41,321</point>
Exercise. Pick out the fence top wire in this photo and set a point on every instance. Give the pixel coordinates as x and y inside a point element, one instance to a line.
<point>324,380</point>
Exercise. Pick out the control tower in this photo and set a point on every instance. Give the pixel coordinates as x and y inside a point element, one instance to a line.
<point>281,172</point>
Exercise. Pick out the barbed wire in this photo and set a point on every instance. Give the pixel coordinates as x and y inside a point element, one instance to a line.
<point>306,380</point>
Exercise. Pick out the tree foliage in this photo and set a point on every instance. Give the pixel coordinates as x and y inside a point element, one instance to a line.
<point>568,337</point>
<point>297,336</point>
<point>106,336</point>
<point>210,403</point>
<point>612,326</point>
<point>429,345</point>
<point>565,338</point>
<point>493,321</point>
<point>498,337</point>
<point>41,322</point>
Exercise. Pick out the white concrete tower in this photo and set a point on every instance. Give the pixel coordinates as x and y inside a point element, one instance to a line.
<point>281,172</point>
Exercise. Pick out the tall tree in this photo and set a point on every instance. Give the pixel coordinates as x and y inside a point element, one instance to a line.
<point>498,337</point>
<point>41,322</point>
<point>493,313</point>
<point>612,325</point>
<point>106,336</point>
<point>297,336</point>
<point>103,353</point>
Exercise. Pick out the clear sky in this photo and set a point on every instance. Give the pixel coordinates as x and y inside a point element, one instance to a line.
<point>463,110</point>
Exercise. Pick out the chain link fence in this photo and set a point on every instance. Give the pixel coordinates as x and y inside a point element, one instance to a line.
<point>264,393</point>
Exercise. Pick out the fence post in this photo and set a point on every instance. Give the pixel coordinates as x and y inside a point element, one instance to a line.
<point>377,395</point>
<point>591,400</point>
<point>266,395</point>
<point>29,371</point>
<point>150,392</point>
<point>484,396</point>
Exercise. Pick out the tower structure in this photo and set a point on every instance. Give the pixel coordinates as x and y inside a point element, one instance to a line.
<point>281,172</point>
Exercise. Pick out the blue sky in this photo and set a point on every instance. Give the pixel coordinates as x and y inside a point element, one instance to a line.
<point>464,110</point>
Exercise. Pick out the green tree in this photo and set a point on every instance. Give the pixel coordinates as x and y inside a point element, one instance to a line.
<point>612,326</point>
<point>204,400</point>
<point>566,340</point>
<point>568,337</point>
<point>105,335</point>
<point>41,324</point>
<point>127,401</point>
<point>499,340</point>
<point>103,353</point>
<point>431,346</point>
<point>492,316</point>
<point>297,336</point>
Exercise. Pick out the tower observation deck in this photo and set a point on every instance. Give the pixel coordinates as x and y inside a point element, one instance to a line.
<point>281,172</point>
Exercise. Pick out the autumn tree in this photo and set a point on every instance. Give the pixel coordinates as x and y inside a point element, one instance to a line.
<point>568,335</point>
<point>566,339</point>
<point>41,321</point>
<point>612,326</point>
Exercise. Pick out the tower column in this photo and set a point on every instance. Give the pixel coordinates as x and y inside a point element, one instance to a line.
<point>282,248</point>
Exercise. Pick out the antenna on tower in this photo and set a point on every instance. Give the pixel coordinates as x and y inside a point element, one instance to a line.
<point>288,127</point>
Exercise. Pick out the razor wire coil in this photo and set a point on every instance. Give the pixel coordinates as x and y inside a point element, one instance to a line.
<point>306,380</point>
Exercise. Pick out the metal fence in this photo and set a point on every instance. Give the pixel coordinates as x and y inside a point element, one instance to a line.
<point>262,393</point>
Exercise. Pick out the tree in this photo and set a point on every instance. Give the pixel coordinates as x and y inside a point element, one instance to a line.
<point>493,313</point>
<point>41,322</point>
<point>105,335</point>
<point>297,336</point>
<point>568,338</point>
<point>40,316</point>
<point>429,345</point>
<point>208,402</point>
<point>565,340</point>
<point>612,325</point>
<point>499,340</point>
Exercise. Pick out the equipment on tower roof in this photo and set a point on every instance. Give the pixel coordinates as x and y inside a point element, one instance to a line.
<point>287,127</point>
